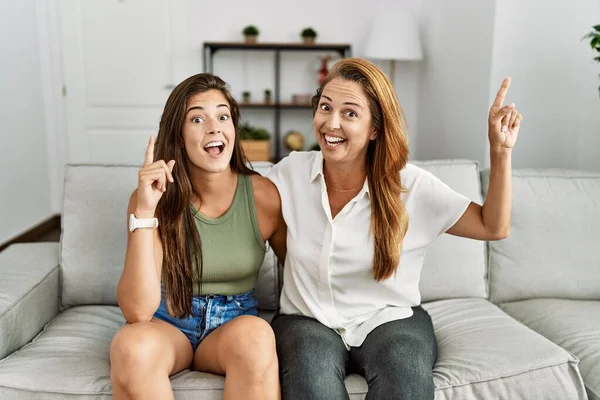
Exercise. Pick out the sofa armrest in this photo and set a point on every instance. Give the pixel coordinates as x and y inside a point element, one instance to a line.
<point>29,292</point>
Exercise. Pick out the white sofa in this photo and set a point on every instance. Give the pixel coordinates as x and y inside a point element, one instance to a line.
<point>514,319</point>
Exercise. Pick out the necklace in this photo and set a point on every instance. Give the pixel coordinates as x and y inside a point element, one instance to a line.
<point>345,190</point>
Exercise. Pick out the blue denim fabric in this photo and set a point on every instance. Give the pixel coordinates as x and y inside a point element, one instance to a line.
<point>208,313</point>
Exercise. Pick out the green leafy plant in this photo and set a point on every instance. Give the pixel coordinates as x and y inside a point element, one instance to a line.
<point>268,97</point>
<point>251,30</point>
<point>594,38</point>
<point>249,132</point>
<point>308,33</point>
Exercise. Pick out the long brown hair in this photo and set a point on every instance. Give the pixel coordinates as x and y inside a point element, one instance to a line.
<point>386,156</point>
<point>182,247</point>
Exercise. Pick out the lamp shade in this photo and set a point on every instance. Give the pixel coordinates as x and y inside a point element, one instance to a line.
<point>394,36</point>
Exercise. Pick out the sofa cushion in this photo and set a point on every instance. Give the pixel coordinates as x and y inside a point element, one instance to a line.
<point>573,325</point>
<point>485,354</point>
<point>552,250</point>
<point>454,266</point>
<point>94,237</point>
<point>70,359</point>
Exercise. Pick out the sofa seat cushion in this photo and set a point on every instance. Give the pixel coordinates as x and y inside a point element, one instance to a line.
<point>573,325</point>
<point>485,354</point>
<point>70,359</point>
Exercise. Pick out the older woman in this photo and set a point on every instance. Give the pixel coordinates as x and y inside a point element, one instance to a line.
<point>359,218</point>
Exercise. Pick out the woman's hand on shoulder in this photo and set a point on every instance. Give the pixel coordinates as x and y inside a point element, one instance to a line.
<point>152,182</point>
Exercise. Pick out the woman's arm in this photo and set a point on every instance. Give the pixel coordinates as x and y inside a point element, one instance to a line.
<point>492,221</point>
<point>272,225</point>
<point>278,240</point>
<point>138,290</point>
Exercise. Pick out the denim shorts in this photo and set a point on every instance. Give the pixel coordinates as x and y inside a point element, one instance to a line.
<point>208,313</point>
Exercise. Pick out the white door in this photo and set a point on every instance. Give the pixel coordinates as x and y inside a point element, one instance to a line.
<point>120,62</point>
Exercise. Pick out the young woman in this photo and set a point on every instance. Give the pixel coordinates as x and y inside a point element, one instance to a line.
<point>186,290</point>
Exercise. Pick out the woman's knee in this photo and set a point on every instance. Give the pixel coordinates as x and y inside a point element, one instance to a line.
<point>307,347</point>
<point>407,353</point>
<point>250,344</point>
<point>134,349</point>
<point>312,373</point>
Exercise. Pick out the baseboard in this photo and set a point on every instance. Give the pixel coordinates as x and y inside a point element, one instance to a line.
<point>35,233</point>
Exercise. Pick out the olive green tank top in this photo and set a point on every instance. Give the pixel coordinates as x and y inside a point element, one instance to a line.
<point>232,246</point>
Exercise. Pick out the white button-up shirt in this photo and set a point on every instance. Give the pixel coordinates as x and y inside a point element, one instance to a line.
<point>329,263</point>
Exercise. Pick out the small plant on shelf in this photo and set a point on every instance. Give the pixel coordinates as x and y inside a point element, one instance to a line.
<point>250,33</point>
<point>245,97</point>
<point>268,96</point>
<point>255,142</point>
<point>308,35</point>
<point>249,132</point>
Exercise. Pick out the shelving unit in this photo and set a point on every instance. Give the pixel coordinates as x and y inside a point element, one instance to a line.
<point>210,48</point>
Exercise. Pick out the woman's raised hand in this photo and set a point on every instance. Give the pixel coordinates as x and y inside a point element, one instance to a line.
<point>152,180</point>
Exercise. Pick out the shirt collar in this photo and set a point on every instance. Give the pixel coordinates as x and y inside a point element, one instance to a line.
<point>317,169</point>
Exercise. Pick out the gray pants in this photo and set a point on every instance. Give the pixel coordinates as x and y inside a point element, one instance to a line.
<point>396,359</point>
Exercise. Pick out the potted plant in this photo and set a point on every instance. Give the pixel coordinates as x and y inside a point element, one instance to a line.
<point>594,37</point>
<point>308,35</point>
<point>255,142</point>
<point>268,98</point>
<point>245,97</point>
<point>250,33</point>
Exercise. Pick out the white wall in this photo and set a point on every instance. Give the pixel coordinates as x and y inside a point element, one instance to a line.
<point>554,80</point>
<point>24,167</point>
<point>455,79</point>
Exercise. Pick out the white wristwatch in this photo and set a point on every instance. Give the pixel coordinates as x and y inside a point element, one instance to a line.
<point>135,223</point>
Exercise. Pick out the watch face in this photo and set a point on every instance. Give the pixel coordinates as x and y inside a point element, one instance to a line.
<point>131,222</point>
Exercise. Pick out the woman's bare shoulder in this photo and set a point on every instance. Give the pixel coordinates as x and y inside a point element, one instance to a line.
<point>266,194</point>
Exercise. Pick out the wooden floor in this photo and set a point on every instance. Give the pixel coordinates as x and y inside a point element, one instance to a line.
<point>52,236</point>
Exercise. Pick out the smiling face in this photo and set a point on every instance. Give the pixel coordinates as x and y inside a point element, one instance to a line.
<point>208,131</point>
<point>342,122</point>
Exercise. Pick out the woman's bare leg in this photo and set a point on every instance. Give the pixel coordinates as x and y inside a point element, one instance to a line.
<point>243,350</point>
<point>143,355</point>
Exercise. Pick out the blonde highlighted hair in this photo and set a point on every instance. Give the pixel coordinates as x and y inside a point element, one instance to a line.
<point>386,156</point>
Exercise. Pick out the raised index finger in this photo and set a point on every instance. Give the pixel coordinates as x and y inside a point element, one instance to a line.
<point>149,158</point>
<point>501,94</point>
